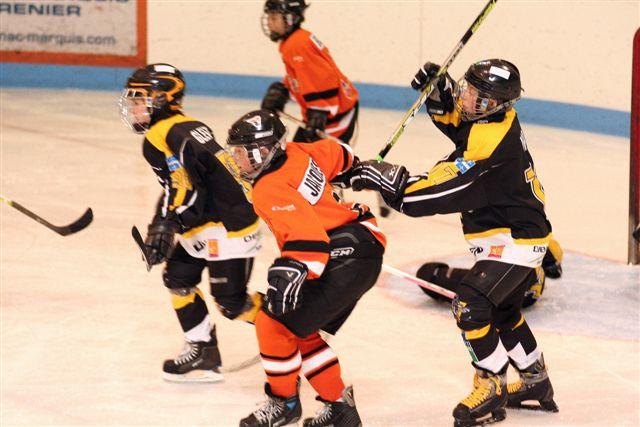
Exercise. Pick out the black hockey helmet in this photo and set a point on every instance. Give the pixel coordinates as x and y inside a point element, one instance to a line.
<point>254,140</point>
<point>291,10</point>
<point>498,85</point>
<point>160,87</point>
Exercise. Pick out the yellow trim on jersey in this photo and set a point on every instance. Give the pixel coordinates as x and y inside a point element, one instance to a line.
<point>520,322</point>
<point>196,230</point>
<point>180,301</point>
<point>245,231</point>
<point>477,333</point>
<point>536,241</point>
<point>452,118</point>
<point>555,249</point>
<point>442,172</point>
<point>157,135</point>
<point>487,233</point>
<point>484,138</point>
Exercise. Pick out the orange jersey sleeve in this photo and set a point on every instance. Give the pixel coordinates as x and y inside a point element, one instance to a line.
<point>332,157</point>
<point>313,78</point>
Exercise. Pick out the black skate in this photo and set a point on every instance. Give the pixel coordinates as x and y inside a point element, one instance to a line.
<point>486,403</point>
<point>198,362</point>
<point>533,385</point>
<point>276,411</point>
<point>337,414</point>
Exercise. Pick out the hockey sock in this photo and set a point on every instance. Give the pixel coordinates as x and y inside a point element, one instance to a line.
<point>280,355</point>
<point>321,367</point>
<point>485,348</point>
<point>193,316</point>
<point>520,344</point>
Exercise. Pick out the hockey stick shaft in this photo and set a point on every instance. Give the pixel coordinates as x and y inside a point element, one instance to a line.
<point>299,122</point>
<point>79,224</point>
<point>422,283</point>
<point>408,117</point>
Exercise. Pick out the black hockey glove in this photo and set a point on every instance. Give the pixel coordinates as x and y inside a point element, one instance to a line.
<point>316,121</point>
<point>388,179</point>
<point>286,277</point>
<point>276,97</point>
<point>440,101</point>
<point>159,241</point>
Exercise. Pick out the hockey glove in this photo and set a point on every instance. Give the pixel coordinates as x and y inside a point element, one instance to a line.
<point>440,101</point>
<point>316,121</point>
<point>388,179</point>
<point>276,97</point>
<point>159,241</point>
<point>286,277</point>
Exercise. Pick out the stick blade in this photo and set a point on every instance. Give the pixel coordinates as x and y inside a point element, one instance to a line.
<point>78,225</point>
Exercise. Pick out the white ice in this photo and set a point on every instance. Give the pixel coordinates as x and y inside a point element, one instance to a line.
<point>84,328</point>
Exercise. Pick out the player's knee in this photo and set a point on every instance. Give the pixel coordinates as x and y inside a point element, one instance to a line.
<point>471,309</point>
<point>178,286</point>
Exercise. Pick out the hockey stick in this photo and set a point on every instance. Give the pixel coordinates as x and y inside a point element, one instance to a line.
<point>422,283</point>
<point>143,249</point>
<point>427,90</point>
<point>240,365</point>
<point>299,122</point>
<point>79,224</point>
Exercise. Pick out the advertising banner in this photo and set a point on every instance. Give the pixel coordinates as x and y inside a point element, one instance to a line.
<point>79,32</point>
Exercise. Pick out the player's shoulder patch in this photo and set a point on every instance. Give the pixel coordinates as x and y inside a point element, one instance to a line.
<point>316,41</point>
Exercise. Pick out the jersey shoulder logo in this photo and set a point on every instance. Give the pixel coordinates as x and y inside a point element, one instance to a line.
<point>316,41</point>
<point>202,134</point>
<point>313,183</point>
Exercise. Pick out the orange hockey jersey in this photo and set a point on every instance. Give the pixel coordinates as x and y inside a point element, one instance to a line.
<point>313,78</point>
<point>295,199</point>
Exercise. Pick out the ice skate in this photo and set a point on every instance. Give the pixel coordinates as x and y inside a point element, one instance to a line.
<point>486,402</point>
<point>533,386</point>
<point>276,411</point>
<point>338,414</point>
<point>198,362</point>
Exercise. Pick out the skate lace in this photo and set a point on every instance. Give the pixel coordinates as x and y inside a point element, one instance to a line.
<point>481,391</point>
<point>189,352</point>
<point>269,411</point>
<point>322,414</point>
<point>515,387</point>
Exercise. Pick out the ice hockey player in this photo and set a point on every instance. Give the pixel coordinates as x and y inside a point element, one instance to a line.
<point>450,278</point>
<point>491,180</point>
<point>204,206</point>
<point>328,100</point>
<point>330,255</point>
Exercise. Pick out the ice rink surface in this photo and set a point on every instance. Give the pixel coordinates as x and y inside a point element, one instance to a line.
<point>84,328</point>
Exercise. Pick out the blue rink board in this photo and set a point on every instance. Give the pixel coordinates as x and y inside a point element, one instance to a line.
<point>562,115</point>
<point>594,297</point>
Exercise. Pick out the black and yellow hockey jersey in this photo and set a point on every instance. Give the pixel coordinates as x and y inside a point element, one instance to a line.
<point>490,179</point>
<point>190,166</point>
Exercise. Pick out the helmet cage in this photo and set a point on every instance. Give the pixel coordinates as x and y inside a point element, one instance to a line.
<point>482,107</point>
<point>130,101</point>
<point>250,158</point>
<point>293,17</point>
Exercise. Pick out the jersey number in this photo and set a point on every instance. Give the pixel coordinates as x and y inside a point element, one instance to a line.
<point>536,187</point>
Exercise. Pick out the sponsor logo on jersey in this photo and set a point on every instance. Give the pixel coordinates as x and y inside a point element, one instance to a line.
<point>476,250</point>
<point>250,237</point>
<point>539,249</point>
<point>287,208</point>
<point>173,163</point>
<point>496,251</point>
<point>199,245</point>
<point>340,252</point>
<point>313,183</point>
<point>202,134</point>
<point>464,165</point>
<point>212,245</point>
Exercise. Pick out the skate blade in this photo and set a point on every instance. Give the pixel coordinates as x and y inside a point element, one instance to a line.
<point>547,406</point>
<point>493,417</point>
<point>195,376</point>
